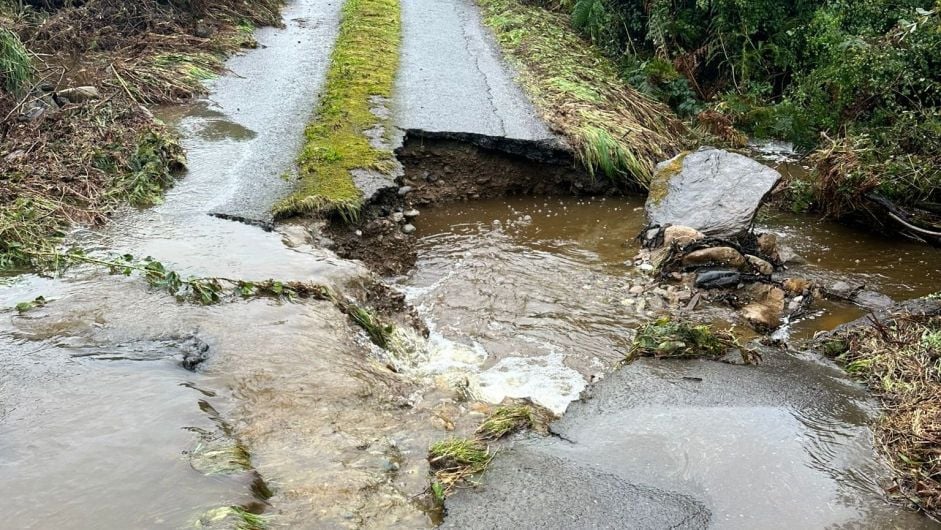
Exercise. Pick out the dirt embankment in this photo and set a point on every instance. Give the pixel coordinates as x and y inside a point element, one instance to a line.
<point>77,141</point>
<point>441,168</point>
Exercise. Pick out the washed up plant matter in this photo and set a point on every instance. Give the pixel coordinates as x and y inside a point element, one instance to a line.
<point>65,162</point>
<point>900,360</point>
<point>666,338</point>
<point>457,459</point>
<point>508,419</point>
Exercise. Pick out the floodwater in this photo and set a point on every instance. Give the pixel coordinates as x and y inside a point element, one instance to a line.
<point>100,426</point>
<point>536,293</point>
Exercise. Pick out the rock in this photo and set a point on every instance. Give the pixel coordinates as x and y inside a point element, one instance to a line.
<point>411,214</point>
<point>681,235</point>
<point>787,256</point>
<point>841,289</point>
<point>768,245</point>
<point>765,312</point>
<point>408,229</point>
<point>797,286</point>
<point>714,256</point>
<point>718,279</point>
<point>761,266</point>
<point>714,191</point>
<point>398,217</point>
<point>405,190</point>
<point>79,94</point>
<point>872,300</point>
<point>637,289</point>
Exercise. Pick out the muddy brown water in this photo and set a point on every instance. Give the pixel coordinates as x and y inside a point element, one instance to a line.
<point>99,423</point>
<point>535,294</point>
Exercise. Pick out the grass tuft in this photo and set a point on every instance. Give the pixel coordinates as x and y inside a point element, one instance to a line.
<point>509,419</point>
<point>683,340</point>
<point>455,460</point>
<point>616,131</point>
<point>235,517</point>
<point>363,65</point>
<point>16,68</point>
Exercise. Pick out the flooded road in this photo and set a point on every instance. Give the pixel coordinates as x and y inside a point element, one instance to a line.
<point>540,289</point>
<point>293,414</point>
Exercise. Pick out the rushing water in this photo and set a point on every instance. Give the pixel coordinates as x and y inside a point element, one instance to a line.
<point>100,427</point>
<point>539,289</point>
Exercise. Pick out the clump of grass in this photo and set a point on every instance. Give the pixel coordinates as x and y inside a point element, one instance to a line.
<point>379,333</point>
<point>363,66</point>
<point>616,131</point>
<point>16,69</point>
<point>232,517</point>
<point>508,419</point>
<point>665,338</point>
<point>28,226</point>
<point>900,361</point>
<point>220,456</point>
<point>455,460</point>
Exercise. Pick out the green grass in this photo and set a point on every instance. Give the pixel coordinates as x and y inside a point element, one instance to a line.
<point>684,340</point>
<point>15,66</point>
<point>615,130</point>
<point>363,65</point>
<point>378,332</point>
<point>235,517</point>
<point>509,419</point>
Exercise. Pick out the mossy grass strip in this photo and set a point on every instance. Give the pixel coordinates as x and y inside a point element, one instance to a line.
<point>616,131</point>
<point>363,65</point>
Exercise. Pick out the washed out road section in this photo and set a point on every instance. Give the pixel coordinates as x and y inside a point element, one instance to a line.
<point>452,77</point>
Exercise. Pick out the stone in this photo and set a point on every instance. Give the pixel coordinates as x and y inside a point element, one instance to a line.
<point>398,217</point>
<point>872,300</point>
<point>768,245</point>
<point>841,289</point>
<point>408,229</point>
<point>765,312</point>
<point>761,266</point>
<point>637,289</point>
<point>411,214</point>
<point>714,191</point>
<point>797,286</point>
<point>787,256</point>
<point>718,279</point>
<point>681,235</point>
<point>405,190</point>
<point>79,94</point>
<point>717,256</point>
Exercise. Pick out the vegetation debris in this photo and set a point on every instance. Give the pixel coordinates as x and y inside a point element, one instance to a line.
<point>900,360</point>
<point>666,338</point>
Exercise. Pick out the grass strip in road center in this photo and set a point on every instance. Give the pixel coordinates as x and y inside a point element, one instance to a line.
<point>362,67</point>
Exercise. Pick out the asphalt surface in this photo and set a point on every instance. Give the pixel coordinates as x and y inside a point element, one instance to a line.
<point>696,444</point>
<point>272,92</point>
<point>452,77</point>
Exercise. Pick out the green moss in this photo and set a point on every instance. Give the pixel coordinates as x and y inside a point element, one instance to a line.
<point>363,65</point>
<point>660,184</point>
<point>616,131</point>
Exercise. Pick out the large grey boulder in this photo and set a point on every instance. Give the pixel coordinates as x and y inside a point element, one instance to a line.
<point>714,191</point>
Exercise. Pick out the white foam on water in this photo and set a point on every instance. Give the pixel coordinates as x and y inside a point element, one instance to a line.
<point>545,380</point>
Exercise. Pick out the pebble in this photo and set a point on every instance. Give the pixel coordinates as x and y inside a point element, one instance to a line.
<point>637,289</point>
<point>646,267</point>
<point>411,214</point>
<point>405,190</point>
<point>408,229</point>
<point>398,217</point>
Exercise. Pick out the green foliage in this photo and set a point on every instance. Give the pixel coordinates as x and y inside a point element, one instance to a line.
<point>667,338</point>
<point>16,70</point>
<point>379,333</point>
<point>863,73</point>
<point>23,307</point>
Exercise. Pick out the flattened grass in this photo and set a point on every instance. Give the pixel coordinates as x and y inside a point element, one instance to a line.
<point>900,360</point>
<point>363,65</point>
<point>616,131</point>
<point>509,419</point>
<point>456,459</point>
